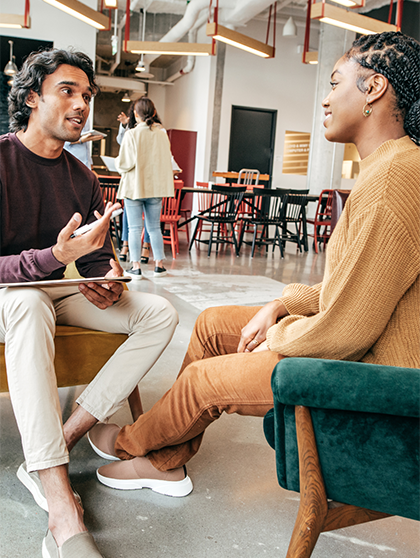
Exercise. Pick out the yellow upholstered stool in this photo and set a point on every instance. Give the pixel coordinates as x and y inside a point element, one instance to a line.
<point>79,355</point>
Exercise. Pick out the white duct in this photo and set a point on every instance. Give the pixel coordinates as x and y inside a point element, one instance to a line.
<point>244,11</point>
<point>184,26</point>
<point>192,38</point>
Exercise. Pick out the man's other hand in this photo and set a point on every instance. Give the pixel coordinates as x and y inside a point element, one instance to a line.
<point>69,249</point>
<point>104,295</point>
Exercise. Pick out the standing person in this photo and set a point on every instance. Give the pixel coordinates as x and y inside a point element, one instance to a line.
<point>45,195</point>
<point>145,166</point>
<point>366,308</point>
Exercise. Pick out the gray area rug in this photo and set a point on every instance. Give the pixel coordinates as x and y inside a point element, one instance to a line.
<point>204,291</point>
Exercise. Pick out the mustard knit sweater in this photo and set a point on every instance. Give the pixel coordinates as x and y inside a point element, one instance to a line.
<point>367,307</point>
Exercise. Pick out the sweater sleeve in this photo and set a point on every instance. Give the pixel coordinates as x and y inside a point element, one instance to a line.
<point>378,265</point>
<point>29,265</point>
<point>300,299</point>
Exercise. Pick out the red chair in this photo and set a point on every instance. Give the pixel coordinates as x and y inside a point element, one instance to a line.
<point>170,216</point>
<point>109,186</point>
<point>203,204</point>
<point>322,218</point>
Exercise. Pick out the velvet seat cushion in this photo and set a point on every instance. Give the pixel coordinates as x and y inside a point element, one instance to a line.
<point>366,427</point>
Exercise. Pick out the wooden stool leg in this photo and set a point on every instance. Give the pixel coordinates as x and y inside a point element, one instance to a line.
<point>134,401</point>
<point>313,507</point>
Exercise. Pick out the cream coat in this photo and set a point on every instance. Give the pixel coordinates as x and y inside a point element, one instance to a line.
<point>145,165</point>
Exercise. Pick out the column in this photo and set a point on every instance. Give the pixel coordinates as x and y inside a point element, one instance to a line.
<point>326,158</point>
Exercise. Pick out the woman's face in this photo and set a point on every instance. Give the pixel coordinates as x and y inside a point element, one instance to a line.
<point>344,104</point>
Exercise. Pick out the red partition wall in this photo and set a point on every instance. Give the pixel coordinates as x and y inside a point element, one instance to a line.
<point>183,147</point>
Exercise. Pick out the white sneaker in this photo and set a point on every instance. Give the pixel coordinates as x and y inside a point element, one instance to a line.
<point>135,274</point>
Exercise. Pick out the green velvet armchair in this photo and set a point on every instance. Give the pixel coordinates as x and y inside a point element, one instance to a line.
<point>346,436</point>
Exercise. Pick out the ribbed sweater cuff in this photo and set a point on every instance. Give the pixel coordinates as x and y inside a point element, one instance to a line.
<point>300,300</point>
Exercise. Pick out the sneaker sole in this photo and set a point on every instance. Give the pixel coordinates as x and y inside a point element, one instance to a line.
<point>45,553</point>
<point>134,277</point>
<point>26,480</point>
<point>176,489</point>
<point>101,453</point>
<point>163,274</point>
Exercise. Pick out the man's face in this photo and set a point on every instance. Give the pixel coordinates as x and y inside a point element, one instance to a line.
<point>60,112</point>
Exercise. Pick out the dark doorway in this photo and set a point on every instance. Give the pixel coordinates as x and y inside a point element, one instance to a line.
<point>21,49</point>
<point>252,135</point>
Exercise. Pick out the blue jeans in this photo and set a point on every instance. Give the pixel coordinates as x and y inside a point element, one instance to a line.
<point>124,232</point>
<point>151,207</point>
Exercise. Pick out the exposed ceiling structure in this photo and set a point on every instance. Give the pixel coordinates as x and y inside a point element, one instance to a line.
<point>179,20</point>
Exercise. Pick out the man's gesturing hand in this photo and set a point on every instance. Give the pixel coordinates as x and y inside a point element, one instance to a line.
<point>104,295</point>
<point>255,332</point>
<point>69,249</point>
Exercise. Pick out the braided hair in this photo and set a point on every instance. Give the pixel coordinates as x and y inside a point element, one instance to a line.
<point>397,57</point>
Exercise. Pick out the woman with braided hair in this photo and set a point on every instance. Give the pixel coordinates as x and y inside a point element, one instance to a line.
<point>365,309</point>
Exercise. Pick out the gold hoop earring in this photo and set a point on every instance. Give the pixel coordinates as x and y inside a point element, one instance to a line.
<point>367,109</point>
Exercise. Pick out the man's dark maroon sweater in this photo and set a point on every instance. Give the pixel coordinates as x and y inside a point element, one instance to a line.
<point>38,197</point>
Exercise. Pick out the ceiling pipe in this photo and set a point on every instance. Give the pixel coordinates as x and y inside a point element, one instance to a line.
<point>244,11</point>
<point>184,25</point>
<point>135,4</point>
<point>192,38</point>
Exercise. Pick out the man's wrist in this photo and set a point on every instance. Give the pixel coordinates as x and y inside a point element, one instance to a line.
<point>58,255</point>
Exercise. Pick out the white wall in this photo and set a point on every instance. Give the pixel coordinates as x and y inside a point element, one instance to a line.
<point>189,106</point>
<point>51,24</point>
<point>282,83</point>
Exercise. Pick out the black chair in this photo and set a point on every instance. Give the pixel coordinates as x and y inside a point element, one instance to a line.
<point>223,211</point>
<point>294,213</point>
<point>267,211</point>
<point>109,186</point>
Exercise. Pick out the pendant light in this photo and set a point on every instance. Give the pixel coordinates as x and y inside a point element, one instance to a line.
<point>290,29</point>
<point>11,69</point>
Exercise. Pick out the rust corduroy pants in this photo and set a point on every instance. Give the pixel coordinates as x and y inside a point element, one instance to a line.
<point>213,378</point>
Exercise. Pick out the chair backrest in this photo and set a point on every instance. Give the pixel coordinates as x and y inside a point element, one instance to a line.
<point>170,206</point>
<point>324,206</point>
<point>109,186</point>
<point>294,205</point>
<point>339,201</point>
<point>203,199</point>
<point>248,176</point>
<point>268,205</point>
<point>225,202</point>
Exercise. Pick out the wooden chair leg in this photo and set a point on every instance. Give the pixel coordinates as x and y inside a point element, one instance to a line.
<point>313,507</point>
<point>134,401</point>
<point>316,515</point>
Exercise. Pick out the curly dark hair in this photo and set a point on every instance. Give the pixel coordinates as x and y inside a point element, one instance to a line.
<point>397,57</point>
<point>31,76</point>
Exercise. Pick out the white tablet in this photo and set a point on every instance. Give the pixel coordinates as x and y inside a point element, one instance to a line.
<point>66,282</point>
<point>93,133</point>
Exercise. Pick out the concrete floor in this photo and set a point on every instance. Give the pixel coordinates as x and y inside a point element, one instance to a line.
<point>237,509</point>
